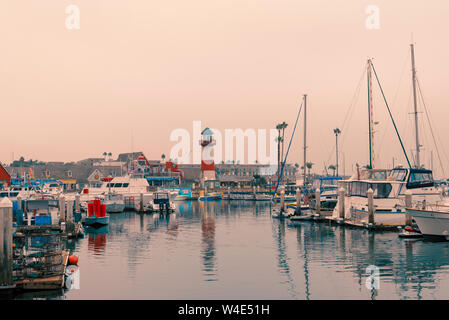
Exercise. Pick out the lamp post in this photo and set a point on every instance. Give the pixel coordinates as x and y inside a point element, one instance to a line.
<point>336,132</point>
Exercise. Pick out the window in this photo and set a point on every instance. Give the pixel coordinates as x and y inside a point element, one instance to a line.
<point>398,174</point>
<point>125,185</point>
<point>118,185</point>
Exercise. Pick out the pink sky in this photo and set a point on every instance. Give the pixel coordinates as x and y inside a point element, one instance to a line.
<point>143,68</point>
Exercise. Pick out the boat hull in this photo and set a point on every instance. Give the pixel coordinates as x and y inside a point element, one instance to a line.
<point>115,207</point>
<point>432,223</point>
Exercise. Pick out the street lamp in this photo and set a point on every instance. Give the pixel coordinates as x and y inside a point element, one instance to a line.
<point>336,132</point>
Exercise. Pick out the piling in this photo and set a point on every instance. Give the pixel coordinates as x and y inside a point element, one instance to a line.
<point>341,203</point>
<point>19,202</point>
<point>229,193</point>
<point>61,208</point>
<point>69,217</point>
<point>6,244</point>
<point>254,192</point>
<point>141,203</point>
<point>370,206</point>
<point>298,201</point>
<point>408,204</point>
<point>318,202</point>
<point>282,200</point>
<point>77,203</point>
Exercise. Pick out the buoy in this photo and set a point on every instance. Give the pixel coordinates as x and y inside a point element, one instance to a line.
<point>73,259</point>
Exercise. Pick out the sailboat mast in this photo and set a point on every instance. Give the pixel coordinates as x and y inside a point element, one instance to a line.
<point>418,163</point>
<point>370,114</point>
<point>305,137</point>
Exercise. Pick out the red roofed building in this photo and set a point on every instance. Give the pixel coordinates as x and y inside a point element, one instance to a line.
<point>4,176</point>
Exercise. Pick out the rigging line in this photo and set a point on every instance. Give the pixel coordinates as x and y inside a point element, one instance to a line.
<point>288,149</point>
<point>349,113</point>
<point>391,116</point>
<point>430,125</point>
<point>396,94</point>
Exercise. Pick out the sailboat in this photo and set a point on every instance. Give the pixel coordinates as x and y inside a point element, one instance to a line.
<point>388,186</point>
<point>281,211</point>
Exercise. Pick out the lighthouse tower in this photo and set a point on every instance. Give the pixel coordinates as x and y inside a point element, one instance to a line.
<point>207,158</point>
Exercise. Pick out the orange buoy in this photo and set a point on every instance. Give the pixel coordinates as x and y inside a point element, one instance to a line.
<point>73,259</point>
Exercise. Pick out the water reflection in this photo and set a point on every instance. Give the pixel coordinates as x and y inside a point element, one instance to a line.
<point>197,253</point>
<point>208,240</point>
<point>97,239</point>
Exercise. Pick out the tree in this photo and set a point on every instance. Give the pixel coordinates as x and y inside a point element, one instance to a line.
<point>163,157</point>
<point>333,168</point>
<point>336,132</point>
<point>309,166</point>
<point>279,140</point>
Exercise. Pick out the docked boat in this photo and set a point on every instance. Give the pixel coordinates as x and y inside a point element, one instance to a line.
<point>389,187</point>
<point>161,202</point>
<point>432,220</point>
<point>210,197</point>
<point>96,214</point>
<point>114,203</point>
<point>262,197</point>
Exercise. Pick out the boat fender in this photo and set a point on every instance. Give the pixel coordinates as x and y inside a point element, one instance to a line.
<point>73,259</point>
<point>68,282</point>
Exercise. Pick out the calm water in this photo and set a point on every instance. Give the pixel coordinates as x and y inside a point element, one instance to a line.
<point>234,250</point>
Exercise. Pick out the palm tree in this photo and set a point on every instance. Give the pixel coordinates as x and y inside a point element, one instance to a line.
<point>279,140</point>
<point>163,157</point>
<point>333,168</point>
<point>336,132</point>
<point>283,127</point>
<point>309,166</point>
<point>105,154</point>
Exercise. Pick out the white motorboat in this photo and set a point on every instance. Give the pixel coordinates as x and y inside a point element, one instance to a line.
<point>262,197</point>
<point>432,220</point>
<point>389,188</point>
<point>114,203</point>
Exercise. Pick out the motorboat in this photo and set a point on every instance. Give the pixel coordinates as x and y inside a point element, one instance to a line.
<point>114,203</point>
<point>161,202</point>
<point>389,187</point>
<point>432,219</point>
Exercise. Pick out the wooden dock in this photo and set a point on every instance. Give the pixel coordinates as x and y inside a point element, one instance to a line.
<point>48,283</point>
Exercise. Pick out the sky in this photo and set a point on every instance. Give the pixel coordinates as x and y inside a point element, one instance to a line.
<point>136,70</point>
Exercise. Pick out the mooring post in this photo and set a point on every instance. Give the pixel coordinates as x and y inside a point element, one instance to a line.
<point>70,220</point>
<point>6,244</point>
<point>19,202</point>
<point>298,201</point>
<point>318,202</point>
<point>229,193</point>
<point>254,192</point>
<point>408,205</point>
<point>370,206</point>
<point>77,202</point>
<point>141,202</point>
<point>61,208</point>
<point>341,203</point>
<point>282,200</point>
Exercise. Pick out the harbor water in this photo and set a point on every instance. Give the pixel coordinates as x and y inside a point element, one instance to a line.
<point>235,250</point>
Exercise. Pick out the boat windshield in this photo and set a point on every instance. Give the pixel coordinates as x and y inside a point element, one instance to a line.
<point>398,174</point>
<point>420,178</point>
<point>360,189</point>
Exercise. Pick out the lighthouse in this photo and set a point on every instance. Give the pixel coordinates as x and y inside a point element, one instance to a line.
<point>207,158</point>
